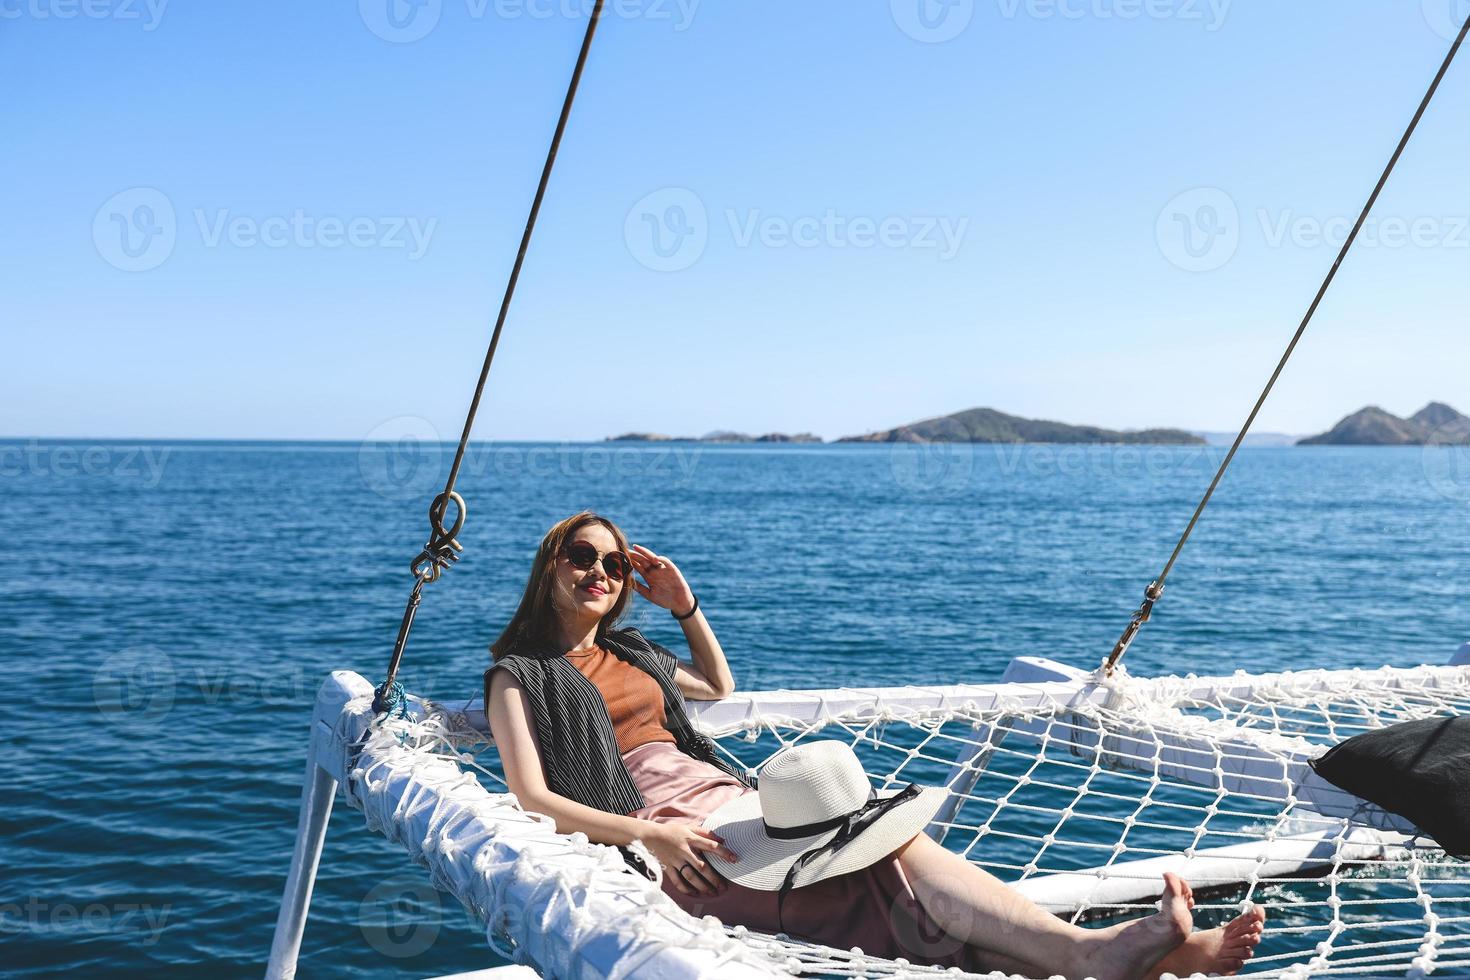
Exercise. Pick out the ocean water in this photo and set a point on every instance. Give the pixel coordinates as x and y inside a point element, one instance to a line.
<point>167,611</point>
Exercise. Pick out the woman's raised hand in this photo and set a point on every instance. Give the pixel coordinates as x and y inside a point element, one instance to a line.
<point>665,586</point>
<point>680,848</point>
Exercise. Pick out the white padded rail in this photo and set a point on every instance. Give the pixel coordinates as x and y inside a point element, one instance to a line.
<point>571,907</point>
<point>807,707</point>
<point>574,910</point>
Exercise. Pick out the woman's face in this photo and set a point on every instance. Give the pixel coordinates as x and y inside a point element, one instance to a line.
<point>590,592</point>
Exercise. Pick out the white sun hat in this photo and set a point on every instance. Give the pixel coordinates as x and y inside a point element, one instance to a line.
<point>816,816</point>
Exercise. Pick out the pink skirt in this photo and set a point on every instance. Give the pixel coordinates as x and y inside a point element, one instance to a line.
<point>873,908</point>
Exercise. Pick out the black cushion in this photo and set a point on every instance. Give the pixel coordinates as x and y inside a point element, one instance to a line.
<point>1417,769</point>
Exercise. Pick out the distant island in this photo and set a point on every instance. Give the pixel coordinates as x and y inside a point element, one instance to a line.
<point>715,437</point>
<point>1372,426</point>
<point>1252,439</point>
<point>989,425</point>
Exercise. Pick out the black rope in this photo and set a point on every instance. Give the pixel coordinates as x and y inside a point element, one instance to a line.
<point>1156,587</point>
<point>443,548</point>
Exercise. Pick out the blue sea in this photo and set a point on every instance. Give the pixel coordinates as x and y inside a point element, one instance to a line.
<point>167,611</point>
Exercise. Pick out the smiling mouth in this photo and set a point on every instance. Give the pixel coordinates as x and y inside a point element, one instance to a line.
<point>596,590</point>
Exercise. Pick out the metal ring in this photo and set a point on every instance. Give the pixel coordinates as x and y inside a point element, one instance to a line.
<point>437,508</point>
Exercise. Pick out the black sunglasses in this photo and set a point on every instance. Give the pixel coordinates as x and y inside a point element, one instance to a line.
<point>583,556</point>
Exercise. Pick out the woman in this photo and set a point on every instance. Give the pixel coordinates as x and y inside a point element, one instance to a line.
<point>589,722</point>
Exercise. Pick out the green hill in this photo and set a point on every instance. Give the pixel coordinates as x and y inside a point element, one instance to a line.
<point>989,425</point>
<point>1372,426</point>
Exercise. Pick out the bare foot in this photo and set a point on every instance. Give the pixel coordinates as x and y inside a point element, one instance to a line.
<point>1220,951</point>
<point>1131,950</point>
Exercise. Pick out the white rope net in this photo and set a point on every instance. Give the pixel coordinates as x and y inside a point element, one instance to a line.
<point>1082,794</point>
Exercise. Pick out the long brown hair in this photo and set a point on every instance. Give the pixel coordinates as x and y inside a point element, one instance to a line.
<point>535,619</point>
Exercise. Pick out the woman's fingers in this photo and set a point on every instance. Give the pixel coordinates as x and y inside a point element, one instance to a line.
<point>711,880</point>
<point>712,842</point>
<point>702,877</point>
<point>653,560</point>
<point>687,879</point>
<point>644,564</point>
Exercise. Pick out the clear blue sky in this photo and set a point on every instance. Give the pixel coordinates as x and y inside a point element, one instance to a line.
<point>812,153</point>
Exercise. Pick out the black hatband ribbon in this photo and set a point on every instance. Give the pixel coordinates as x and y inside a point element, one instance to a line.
<point>849,826</point>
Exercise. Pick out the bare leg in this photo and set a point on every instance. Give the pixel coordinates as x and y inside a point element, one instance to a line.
<point>977,908</point>
<point>1223,951</point>
<point>986,961</point>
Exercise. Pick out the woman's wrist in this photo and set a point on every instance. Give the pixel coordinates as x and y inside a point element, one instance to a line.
<point>647,831</point>
<point>692,609</point>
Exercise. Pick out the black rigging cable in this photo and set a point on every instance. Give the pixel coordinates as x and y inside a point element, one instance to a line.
<point>1156,587</point>
<point>442,549</point>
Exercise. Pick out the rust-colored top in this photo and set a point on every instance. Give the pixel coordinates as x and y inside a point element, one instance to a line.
<point>635,702</point>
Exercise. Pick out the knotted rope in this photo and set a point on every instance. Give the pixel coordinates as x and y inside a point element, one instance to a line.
<point>1156,587</point>
<point>443,548</point>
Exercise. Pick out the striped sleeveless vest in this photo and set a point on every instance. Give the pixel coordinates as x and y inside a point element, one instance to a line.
<point>579,753</point>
